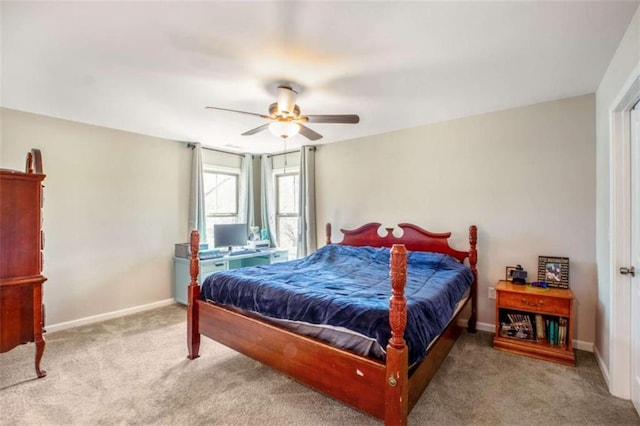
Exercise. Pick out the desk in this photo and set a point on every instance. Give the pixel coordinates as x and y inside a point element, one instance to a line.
<point>181,277</point>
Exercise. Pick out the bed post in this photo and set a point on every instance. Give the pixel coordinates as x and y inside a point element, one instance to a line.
<point>473,260</point>
<point>397,373</point>
<point>327,231</point>
<point>193,330</point>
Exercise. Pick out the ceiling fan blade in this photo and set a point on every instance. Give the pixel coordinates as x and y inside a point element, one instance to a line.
<point>235,110</point>
<point>309,134</point>
<point>336,119</point>
<point>256,130</point>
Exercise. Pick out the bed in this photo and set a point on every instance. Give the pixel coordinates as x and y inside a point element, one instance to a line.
<point>386,386</point>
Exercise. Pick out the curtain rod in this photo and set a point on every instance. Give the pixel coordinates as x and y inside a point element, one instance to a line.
<point>193,145</point>
<point>311,148</point>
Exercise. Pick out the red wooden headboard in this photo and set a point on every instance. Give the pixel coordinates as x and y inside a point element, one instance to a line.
<point>413,237</point>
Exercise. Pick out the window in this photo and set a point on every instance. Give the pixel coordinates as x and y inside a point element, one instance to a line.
<point>287,190</point>
<point>220,198</point>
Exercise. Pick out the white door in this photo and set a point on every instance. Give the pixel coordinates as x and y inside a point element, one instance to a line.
<point>635,257</point>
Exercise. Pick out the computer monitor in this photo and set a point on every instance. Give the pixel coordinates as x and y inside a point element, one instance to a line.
<point>230,235</point>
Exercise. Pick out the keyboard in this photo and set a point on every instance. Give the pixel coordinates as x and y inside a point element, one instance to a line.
<point>241,252</point>
<point>209,254</point>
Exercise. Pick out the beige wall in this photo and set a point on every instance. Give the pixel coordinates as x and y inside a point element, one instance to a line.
<point>626,58</point>
<point>525,177</point>
<point>115,204</point>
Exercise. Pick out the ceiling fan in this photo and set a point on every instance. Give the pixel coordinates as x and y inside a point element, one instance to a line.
<point>285,119</point>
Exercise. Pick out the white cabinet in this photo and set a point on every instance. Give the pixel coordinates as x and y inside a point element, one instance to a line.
<point>181,275</point>
<point>279,256</point>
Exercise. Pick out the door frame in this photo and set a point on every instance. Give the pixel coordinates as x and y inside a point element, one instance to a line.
<point>620,234</point>
<point>634,338</point>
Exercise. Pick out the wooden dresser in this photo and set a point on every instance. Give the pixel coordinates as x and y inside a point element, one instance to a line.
<point>21,244</point>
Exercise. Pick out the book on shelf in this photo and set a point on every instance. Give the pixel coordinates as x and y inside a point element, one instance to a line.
<point>562,332</point>
<point>540,328</point>
<point>556,330</point>
<point>534,327</point>
<point>519,326</point>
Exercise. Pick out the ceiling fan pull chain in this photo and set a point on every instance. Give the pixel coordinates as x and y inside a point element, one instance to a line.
<point>285,154</point>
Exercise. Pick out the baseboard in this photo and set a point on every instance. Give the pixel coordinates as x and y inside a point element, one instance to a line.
<point>51,328</point>
<point>491,328</point>
<point>482,326</point>
<point>583,346</point>
<point>603,367</point>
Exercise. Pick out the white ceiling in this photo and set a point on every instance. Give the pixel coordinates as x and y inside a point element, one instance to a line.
<point>151,67</point>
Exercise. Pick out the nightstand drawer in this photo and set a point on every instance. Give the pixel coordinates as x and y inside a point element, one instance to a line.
<point>534,302</point>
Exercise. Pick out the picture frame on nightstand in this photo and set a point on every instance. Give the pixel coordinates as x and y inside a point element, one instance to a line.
<point>554,271</point>
<point>508,270</point>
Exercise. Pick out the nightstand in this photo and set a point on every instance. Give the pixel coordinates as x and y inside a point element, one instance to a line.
<point>534,321</point>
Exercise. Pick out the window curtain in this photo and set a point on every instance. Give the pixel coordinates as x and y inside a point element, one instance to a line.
<point>307,202</point>
<point>246,207</point>
<point>197,213</point>
<point>268,199</point>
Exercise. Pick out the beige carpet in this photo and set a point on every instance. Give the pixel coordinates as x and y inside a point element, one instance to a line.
<point>133,370</point>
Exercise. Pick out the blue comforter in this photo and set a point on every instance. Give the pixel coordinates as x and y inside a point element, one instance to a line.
<point>349,287</point>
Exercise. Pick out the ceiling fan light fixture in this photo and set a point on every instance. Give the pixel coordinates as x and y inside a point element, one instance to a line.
<point>284,119</point>
<point>284,129</point>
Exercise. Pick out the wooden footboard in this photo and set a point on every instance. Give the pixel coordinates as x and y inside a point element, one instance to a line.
<point>381,389</point>
<point>340,374</point>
